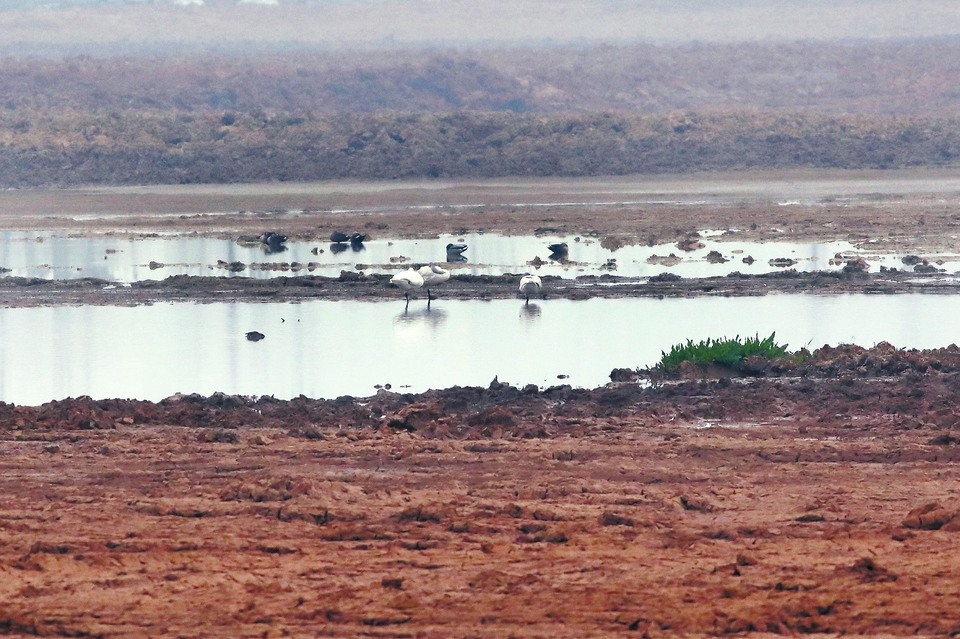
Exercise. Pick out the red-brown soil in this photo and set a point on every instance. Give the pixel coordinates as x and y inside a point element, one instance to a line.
<point>772,505</point>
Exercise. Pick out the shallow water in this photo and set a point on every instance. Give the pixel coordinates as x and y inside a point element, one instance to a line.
<point>328,349</point>
<point>52,256</point>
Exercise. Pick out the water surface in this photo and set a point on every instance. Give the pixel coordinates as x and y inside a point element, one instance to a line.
<point>328,349</point>
<point>53,256</point>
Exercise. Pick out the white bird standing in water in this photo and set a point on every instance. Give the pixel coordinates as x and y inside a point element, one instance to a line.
<point>530,285</point>
<point>406,281</point>
<point>432,275</point>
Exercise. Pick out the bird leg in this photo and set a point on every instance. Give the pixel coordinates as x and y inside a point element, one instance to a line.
<point>429,297</point>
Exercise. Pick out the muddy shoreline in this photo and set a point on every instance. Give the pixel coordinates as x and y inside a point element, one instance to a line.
<point>20,292</point>
<point>818,501</point>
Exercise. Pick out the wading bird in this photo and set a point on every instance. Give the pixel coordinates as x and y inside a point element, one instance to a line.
<point>406,281</point>
<point>529,285</point>
<point>432,275</point>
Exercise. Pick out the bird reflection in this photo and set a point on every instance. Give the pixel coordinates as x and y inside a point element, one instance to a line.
<point>530,312</point>
<point>430,317</point>
<point>338,248</point>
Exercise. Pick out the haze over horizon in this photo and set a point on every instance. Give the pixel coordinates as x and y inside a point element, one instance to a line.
<point>129,26</point>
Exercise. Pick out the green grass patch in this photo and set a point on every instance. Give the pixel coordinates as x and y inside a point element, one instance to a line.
<point>723,352</point>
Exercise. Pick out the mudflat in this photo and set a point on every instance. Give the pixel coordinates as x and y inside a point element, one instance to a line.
<point>811,498</point>
<point>815,503</point>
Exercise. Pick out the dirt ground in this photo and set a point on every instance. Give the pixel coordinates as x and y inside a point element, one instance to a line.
<point>821,502</point>
<point>813,498</point>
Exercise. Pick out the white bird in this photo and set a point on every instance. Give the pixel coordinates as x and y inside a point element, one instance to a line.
<point>530,285</point>
<point>406,281</point>
<point>433,275</point>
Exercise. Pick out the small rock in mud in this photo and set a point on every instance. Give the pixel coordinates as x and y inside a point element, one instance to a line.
<point>748,260</point>
<point>665,277</point>
<point>394,583</point>
<point>613,242</point>
<point>782,262</point>
<point>870,572</point>
<point>155,265</point>
<point>669,260</point>
<point>857,265</point>
<point>623,375</point>
<point>255,336</point>
<point>350,276</point>
<point>929,516</point>
<point>233,267</point>
<point>691,243</point>
<point>926,268</point>
<point>714,257</point>
<point>911,260</point>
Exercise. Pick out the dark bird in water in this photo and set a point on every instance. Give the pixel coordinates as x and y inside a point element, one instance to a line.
<point>356,241</point>
<point>529,285</point>
<point>558,251</point>
<point>337,237</point>
<point>273,241</point>
<point>255,336</point>
<point>455,252</point>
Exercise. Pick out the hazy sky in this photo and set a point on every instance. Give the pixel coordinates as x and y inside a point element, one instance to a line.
<point>336,23</point>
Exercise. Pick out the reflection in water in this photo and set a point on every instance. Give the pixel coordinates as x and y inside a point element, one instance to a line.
<point>530,312</point>
<point>128,260</point>
<point>103,351</point>
<point>271,249</point>
<point>431,317</point>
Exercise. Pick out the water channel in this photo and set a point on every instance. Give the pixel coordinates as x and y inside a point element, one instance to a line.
<point>123,259</point>
<point>328,349</point>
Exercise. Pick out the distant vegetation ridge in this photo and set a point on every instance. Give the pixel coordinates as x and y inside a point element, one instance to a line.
<point>536,112</point>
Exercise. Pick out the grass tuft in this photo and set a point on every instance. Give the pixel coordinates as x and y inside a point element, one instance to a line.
<point>724,352</point>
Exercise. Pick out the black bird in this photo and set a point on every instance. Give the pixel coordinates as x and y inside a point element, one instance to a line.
<point>356,241</point>
<point>455,252</point>
<point>558,251</point>
<point>273,241</point>
<point>255,336</point>
<point>338,238</point>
